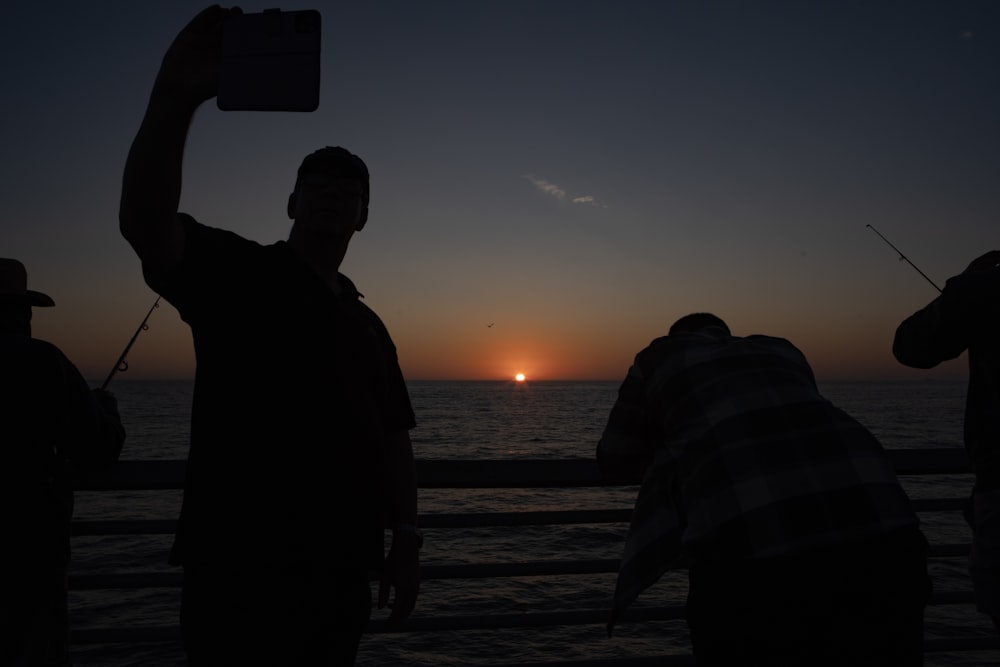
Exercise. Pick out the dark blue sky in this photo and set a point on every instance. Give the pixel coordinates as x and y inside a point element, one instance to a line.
<point>579,173</point>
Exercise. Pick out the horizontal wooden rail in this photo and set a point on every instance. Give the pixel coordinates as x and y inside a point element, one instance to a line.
<point>444,520</point>
<point>93,527</point>
<point>487,474</point>
<point>671,612</point>
<point>492,473</point>
<point>542,568</point>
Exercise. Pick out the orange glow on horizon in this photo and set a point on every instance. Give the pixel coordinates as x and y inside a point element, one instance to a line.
<point>166,351</point>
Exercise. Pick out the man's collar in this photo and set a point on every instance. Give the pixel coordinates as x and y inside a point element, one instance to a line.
<point>347,287</point>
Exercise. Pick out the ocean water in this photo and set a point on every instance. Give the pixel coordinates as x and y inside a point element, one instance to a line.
<point>501,420</point>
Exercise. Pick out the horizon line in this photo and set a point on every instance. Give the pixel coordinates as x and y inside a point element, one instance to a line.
<point>947,378</point>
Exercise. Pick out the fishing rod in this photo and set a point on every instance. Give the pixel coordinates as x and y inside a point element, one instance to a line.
<point>904,257</point>
<point>121,364</point>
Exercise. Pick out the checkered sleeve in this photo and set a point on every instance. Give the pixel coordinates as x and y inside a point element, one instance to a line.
<point>653,543</point>
<point>626,446</point>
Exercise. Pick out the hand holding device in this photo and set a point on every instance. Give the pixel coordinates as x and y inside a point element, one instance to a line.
<point>270,61</point>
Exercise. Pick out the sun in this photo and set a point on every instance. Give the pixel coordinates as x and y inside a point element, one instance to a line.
<point>519,377</point>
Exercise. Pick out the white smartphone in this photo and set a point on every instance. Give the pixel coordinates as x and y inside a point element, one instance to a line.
<point>270,61</point>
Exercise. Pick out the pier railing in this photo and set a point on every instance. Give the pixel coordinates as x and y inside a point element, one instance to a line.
<point>492,474</point>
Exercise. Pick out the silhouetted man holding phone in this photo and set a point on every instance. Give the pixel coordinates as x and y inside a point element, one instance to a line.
<point>299,437</point>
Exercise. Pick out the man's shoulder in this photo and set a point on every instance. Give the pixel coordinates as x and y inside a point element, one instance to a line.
<point>201,234</point>
<point>216,265</point>
<point>375,323</point>
<point>42,360</point>
<point>680,352</point>
<point>348,287</point>
<point>679,343</point>
<point>216,254</point>
<point>28,345</point>
<point>369,313</point>
<point>660,345</point>
<point>764,339</point>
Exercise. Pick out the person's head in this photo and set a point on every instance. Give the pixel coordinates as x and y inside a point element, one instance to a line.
<point>332,183</point>
<point>16,300</point>
<point>696,322</point>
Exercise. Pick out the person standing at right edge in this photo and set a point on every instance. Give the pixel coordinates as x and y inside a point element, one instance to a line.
<point>300,452</point>
<point>966,317</point>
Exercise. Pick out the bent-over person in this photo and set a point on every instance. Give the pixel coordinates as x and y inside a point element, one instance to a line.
<point>800,544</point>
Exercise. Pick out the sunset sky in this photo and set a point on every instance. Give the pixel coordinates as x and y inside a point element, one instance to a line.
<point>576,173</point>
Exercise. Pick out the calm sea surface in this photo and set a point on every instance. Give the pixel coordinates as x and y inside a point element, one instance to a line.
<point>500,420</point>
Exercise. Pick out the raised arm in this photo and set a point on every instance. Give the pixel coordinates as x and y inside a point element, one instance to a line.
<point>942,330</point>
<point>151,187</point>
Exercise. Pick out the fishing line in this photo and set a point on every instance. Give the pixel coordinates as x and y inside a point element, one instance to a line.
<point>121,364</point>
<point>904,257</point>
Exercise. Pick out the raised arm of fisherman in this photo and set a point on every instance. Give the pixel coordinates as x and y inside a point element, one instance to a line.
<point>943,329</point>
<point>402,565</point>
<point>99,438</point>
<point>151,187</point>
<point>80,424</point>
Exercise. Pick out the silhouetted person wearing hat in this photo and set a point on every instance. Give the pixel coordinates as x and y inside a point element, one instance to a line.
<point>300,452</point>
<point>801,546</point>
<point>52,423</point>
<point>966,317</point>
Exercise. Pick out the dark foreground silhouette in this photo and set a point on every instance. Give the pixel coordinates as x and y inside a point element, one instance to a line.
<point>52,424</point>
<point>966,317</point>
<point>801,546</point>
<point>297,383</point>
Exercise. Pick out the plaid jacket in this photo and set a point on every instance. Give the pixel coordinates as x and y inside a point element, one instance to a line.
<point>743,458</point>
